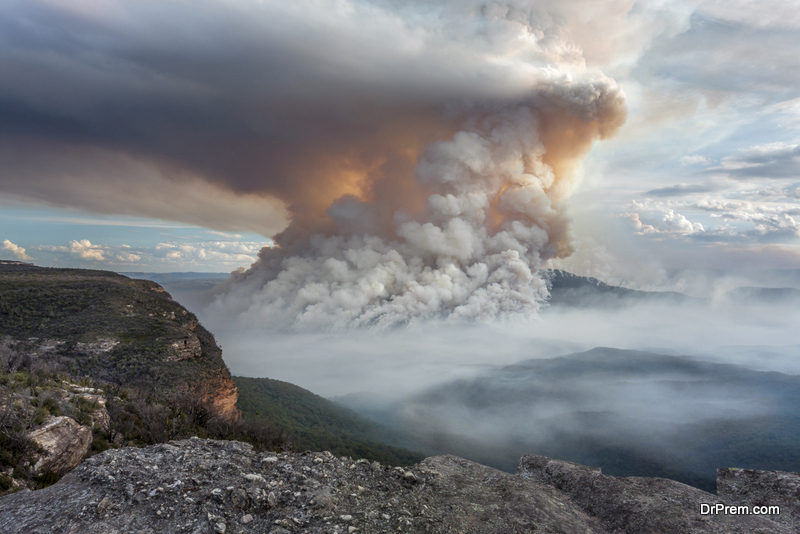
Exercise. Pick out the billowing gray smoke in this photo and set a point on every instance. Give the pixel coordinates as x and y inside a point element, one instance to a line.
<point>421,153</point>
<point>494,211</point>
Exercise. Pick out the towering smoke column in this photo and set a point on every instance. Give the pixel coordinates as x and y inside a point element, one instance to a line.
<point>462,236</point>
<point>421,153</point>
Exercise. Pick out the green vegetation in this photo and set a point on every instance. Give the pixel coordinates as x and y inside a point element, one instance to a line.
<point>118,417</point>
<point>315,423</point>
<point>101,324</point>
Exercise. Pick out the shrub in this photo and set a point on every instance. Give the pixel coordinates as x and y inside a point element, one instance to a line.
<point>46,478</point>
<point>51,405</point>
<point>100,444</point>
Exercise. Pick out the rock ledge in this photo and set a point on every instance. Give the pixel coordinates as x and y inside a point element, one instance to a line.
<point>205,486</point>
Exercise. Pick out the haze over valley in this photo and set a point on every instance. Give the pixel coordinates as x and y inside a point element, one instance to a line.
<point>687,387</point>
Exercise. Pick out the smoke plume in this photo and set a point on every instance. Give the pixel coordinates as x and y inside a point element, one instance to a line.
<point>421,153</point>
<point>462,237</point>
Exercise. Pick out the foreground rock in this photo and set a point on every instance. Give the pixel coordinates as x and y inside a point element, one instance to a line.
<point>762,488</point>
<point>638,504</point>
<point>204,486</point>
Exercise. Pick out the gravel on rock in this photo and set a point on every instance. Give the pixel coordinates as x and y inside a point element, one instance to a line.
<point>203,486</point>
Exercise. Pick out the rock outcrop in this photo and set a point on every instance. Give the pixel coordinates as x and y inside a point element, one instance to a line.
<point>219,389</point>
<point>204,486</point>
<point>64,442</point>
<point>187,348</point>
<point>635,504</point>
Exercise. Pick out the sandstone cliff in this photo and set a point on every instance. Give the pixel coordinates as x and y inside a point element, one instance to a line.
<point>204,486</point>
<point>219,390</point>
<point>91,360</point>
<point>113,329</point>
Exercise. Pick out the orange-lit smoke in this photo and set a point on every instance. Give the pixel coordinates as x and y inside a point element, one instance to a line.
<point>453,227</point>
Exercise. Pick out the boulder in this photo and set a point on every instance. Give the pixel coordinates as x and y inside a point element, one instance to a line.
<point>64,442</point>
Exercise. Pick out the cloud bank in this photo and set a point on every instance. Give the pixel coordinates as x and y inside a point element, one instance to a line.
<point>227,254</point>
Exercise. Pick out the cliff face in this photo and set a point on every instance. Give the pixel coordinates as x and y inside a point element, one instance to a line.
<point>219,389</point>
<point>205,486</point>
<point>113,329</point>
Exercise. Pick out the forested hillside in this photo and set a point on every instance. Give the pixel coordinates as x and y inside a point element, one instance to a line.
<point>314,423</point>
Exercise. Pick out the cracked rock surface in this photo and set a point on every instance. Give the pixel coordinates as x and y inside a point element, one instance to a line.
<point>205,486</point>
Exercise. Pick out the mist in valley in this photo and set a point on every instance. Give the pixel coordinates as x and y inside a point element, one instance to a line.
<point>637,382</point>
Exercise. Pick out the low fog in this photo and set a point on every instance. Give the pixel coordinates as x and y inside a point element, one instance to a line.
<point>711,378</point>
<point>404,360</point>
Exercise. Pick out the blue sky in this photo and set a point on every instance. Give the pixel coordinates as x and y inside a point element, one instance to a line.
<point>68,238</point>
<point>183,137</point>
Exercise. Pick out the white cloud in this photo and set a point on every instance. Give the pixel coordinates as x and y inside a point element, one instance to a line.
<point>84,250</point>
<point>739,220</point>
<point>16,250</point>
<point>657,218</point>
<point>125,257</point>
<point>772,221</point>
<point>224,235</point>
<point>777,193</point>
<point>219,256</point>
<point>771,160</point>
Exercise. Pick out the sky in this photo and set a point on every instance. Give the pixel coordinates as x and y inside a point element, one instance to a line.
<point>185,136</point>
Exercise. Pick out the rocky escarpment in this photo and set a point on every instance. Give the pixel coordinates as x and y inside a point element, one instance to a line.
<point>113,329</point>
<point>204,486</point>
<point>91,360</point>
